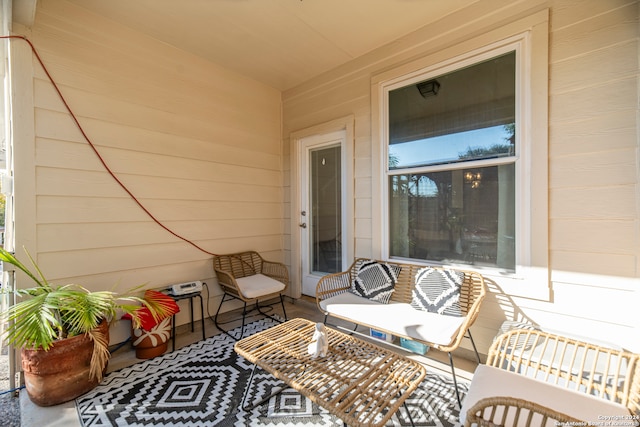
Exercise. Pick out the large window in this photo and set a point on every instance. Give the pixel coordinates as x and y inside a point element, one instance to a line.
<point>452,160</point>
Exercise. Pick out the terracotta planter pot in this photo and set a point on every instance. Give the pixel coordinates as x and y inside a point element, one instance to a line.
<point>149,344</point>
<point>61,373</point>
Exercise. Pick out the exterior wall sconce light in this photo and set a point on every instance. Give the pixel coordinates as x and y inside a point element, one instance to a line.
<point>428,88</point>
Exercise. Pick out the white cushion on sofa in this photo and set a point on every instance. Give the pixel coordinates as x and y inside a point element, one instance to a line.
<point>489,382</point>
<point>258,285</point>
<point>398,318</point>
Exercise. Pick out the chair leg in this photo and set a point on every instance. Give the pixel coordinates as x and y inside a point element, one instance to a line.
<point>215,319</point>
<point>284,311</point>
<point>474,345</point>
<point>244,316</point>
<point>350,332</point>
<point>245,312</point>
<point>455,381</point>
<point>276,391</point>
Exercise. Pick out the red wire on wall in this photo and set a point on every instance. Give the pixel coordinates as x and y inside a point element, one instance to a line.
<point>95,150</point>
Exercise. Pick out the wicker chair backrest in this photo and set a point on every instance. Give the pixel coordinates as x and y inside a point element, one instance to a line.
<point>472,288</point>
<point>606,373</point>
<point>242,264</point>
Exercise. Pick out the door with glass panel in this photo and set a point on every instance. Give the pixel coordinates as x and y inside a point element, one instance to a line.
<point>321,216</point>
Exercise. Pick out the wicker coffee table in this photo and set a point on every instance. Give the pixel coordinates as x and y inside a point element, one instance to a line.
<point>361,383</point>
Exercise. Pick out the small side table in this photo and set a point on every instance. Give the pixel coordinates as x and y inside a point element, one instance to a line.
<point>189,296</point>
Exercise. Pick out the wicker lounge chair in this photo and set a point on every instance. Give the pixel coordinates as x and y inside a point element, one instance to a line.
<point>248,277</point>
<point>504,411</point>
<point>554,375</point>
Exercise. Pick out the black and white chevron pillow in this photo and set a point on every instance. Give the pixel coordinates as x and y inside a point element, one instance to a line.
<point>375,281</point>
<point>438,291</point>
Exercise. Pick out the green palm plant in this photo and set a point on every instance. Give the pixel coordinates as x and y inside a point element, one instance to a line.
<point>51,313</point>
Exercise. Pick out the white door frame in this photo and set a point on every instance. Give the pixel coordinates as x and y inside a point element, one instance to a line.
<point>308,145</point>
<point>297,152</point>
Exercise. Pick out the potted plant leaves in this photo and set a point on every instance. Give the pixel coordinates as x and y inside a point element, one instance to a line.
<point>63,333</point>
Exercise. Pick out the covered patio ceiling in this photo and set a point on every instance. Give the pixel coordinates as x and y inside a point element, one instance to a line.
<point>281,43</point>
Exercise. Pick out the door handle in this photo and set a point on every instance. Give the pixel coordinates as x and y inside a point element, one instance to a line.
<point>303,225</point>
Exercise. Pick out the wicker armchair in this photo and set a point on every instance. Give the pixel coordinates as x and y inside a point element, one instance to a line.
<point>607,376</point>
<point>588,368</point>
<point>248,277</point>
<point>503,411</point>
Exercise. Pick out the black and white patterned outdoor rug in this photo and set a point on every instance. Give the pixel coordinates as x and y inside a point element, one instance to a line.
<point>203,384</point>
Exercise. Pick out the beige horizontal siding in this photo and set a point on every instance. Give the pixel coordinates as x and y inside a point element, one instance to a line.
<point>71,155</point>
<point>587,134</point>
<point>119,234</point>
<point>73,210</point>
<point>594,243</point>
<point>606,265</point>
<point>594,144</point>
<point>613,202</point>
<point>579,104</point>
<point>586,28</point>
<point>198,145</point>
<point>599,169</point>
<point>599,63</point>
<point>216,128</point>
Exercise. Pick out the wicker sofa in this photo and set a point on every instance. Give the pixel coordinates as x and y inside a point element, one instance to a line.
<point>399,317</point>
<point>539,378</point>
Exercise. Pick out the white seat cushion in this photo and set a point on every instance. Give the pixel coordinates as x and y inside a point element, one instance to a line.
<point>489,382</point>
<point>398,318</point>
<point>259,285</point>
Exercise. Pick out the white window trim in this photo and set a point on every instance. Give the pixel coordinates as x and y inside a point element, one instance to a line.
<point>529,37</point>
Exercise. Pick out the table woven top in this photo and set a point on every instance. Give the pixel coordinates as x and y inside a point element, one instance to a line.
<point>360,382</point>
